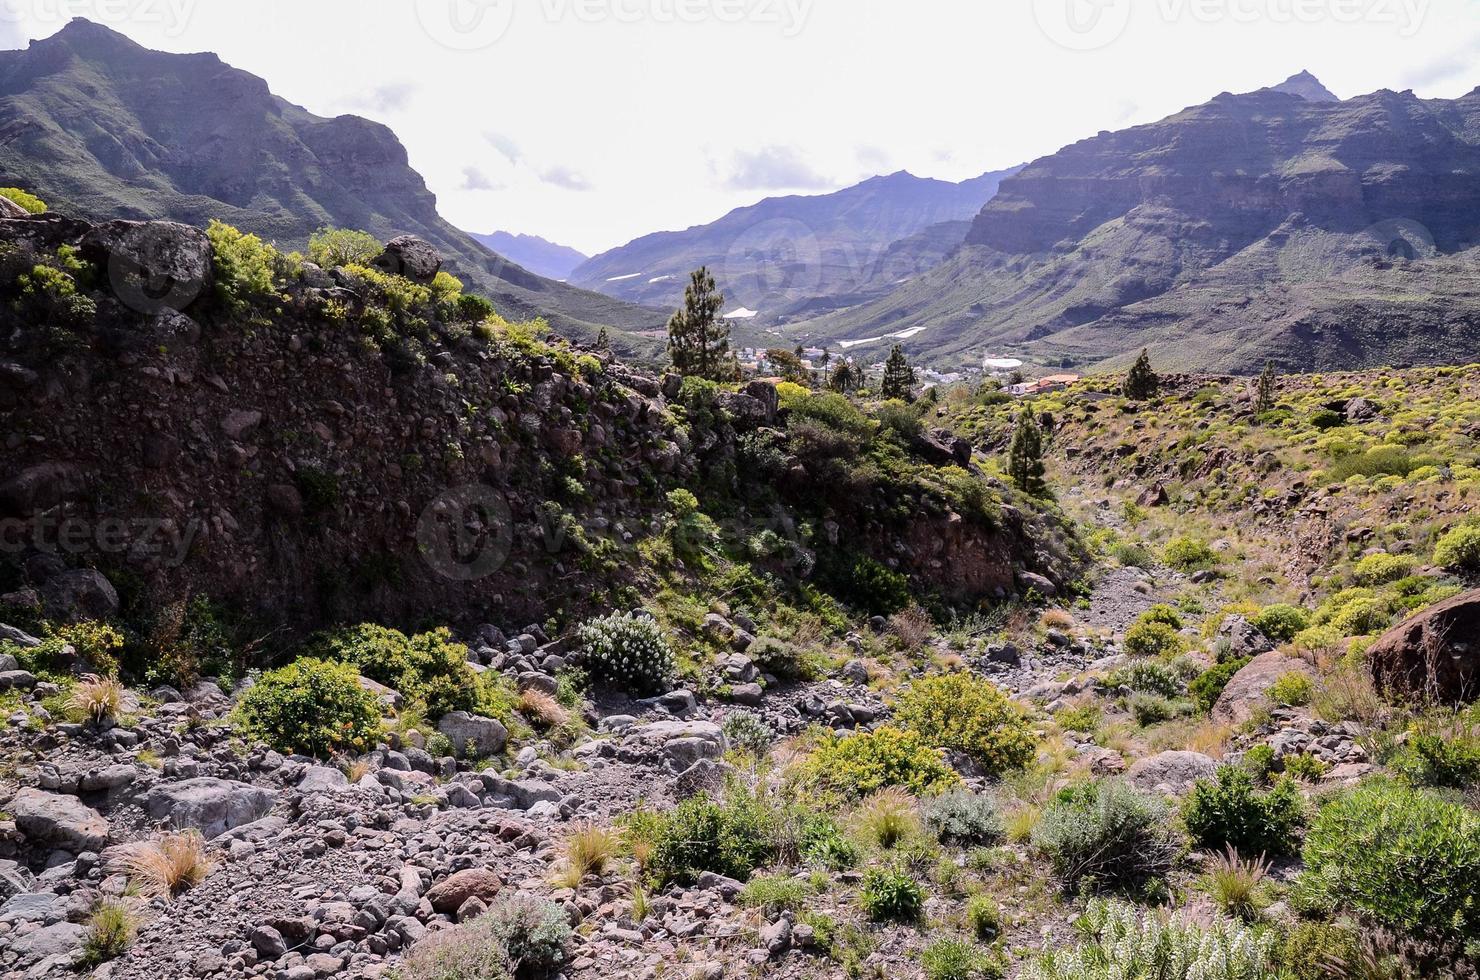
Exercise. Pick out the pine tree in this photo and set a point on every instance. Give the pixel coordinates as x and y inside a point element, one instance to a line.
<point>899,377</point>
<point>1025,456</point>
<point>1141,382</point>
<point>603,342</point>
<point>1264,392</point>
<point>698,340</point>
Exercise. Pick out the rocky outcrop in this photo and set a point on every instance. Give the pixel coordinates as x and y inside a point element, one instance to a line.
<point>1434,656</point>
<point>212,806</point>
<point>1246,691</point>
<point>1172,773</point>
<point>411,257</point>
<point>63,821</point>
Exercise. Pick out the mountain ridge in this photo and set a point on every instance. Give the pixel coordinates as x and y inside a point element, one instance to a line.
<point>98,124</point>
<point>791,251</point>
<point>539,255</point>
<point>1326,234</point>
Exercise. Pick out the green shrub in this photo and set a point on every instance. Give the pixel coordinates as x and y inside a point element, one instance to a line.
<point>748,732</point>
<point>965,714</point>
<point>953,959</point>
<point>1280,622</point>
<point>111,930</point>
<point>30,202</point>
<point>331,248</point>
<point>1232,812</point>
<point>1149,676</point>
<point>1105,834</point>
<point>1162,613</point>
<point>891,894</point>
<point>1319,951</point>
<point>1127,942</point>
<point>1459,549</point>
<point>822,842</point>
<point>470,951</point>
<point>731,838</point>
<point>245,266</point>
<point>628,652</point>
<point>1153,639</point>
<point>1208,686</point>
<point>1382,569</point>
<point>428,668</point>
<point>1325,418</point>
<point>984,917</point>
<point>775,894</point>
<point>1434,758</point>
<point>784,660</point>
<point>1292,689</point>
<point>311,707</point>
<point>1405,857</point>
<point>870,586</point>
<point>534,932</point>
<point>1153,709</point>
<point>1305,766</point>
<point>1260,762</point>
<point>853,766</point>
<point>964,818</point>
<point>1079,718</point>
<point>1188,553</point>
<point>1378,461</point>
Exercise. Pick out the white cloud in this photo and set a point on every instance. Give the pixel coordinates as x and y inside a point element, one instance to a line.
<point>565,178</point>
<point>773,168</point>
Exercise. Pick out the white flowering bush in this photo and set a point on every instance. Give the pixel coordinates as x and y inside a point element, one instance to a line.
<point>628,652</point>
<point>1126,942</point>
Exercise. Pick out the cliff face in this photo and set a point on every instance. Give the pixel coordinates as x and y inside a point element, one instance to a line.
<point>275,456</point>
<point>1322,234</point>
<point>103,128</point>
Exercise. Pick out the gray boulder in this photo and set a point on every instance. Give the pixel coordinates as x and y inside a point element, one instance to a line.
<point>1246,692</point>
<point>78,594</point>
<point>411,257</point>
<point>1173,772</point>
<point>64,821</point>
<point>152,266</point>
<point>212,806</point>
<point>487,736</point>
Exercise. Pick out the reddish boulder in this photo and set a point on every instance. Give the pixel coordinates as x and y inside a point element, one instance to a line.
<point>449,894</point>
<point>1434,655</point>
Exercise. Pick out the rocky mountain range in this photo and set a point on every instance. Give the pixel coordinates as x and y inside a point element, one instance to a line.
<point>544,258</point>
<point>101,127</point>
<point>1279,224</point>
<point>786,255</point>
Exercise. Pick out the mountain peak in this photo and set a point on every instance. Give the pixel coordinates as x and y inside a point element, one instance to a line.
<point>1307,86</point>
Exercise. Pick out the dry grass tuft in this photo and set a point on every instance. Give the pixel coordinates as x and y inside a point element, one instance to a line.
<point>913,626</point>
<point>1234,884</point>
<point>168,865</point>
<point>587,851</point>
<point>887,817</point>
<point>1057,619</point>
<point>542,710</point>
<point>356,769</point>
<point>97,697</point>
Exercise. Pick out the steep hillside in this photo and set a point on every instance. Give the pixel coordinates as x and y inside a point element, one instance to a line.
<point>1319,233</point>
<point>302,444</point>
<point>785,251</point>
<point>101,128</point>
<point>534,253</point>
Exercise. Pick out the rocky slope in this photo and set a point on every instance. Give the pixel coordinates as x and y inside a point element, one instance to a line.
<point>272,452</point>
<point>102,128</point>
<point>788,254</point>
<point>1322,234</point>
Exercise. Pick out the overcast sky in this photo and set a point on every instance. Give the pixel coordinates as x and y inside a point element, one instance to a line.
<point>591,122</point>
